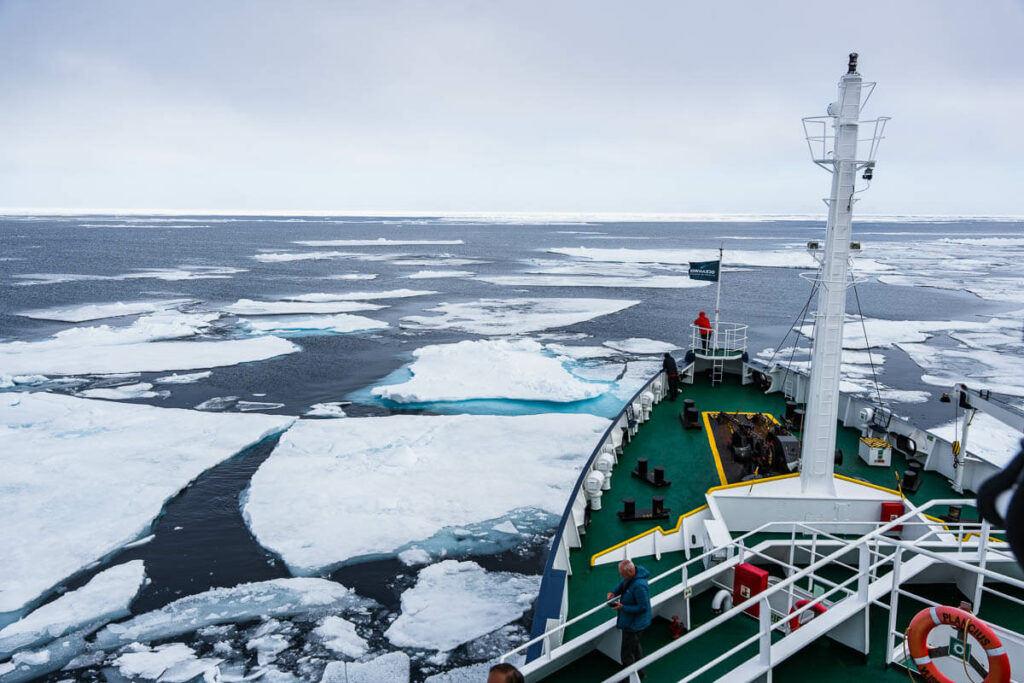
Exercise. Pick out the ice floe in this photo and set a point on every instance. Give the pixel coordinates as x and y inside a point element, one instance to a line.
<point>176,659</point>
<point>362,296</point>
<point>77,314</point>
<point>390,479</point>
<point>641,346</point>
<point>392,667</point>
<point>454,602</point>
<point>253,406</point>
<point>515,316</point>
<point>996,371</point>
<point>649,281</point>
<point>430,274</point>
<point>987,438</point>
<point>788,258</point>
<point>105,597</point>
<point>297,326</point>
<point>244,602</point>
<point>250,307</point>
<point>436,261</point>
<point>340,636</point>
<point>169,274</point>
<point>504,369</point>
<point>886,333</point>
<point>379,242</point>
<point>68,463</point>
<point>334,409</point>
<point>183,379</point>
<point>125,392</point>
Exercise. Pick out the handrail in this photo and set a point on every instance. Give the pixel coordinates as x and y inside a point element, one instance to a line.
<point>847,545</point>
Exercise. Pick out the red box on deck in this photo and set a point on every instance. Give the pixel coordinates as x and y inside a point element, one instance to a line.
<point>891,511</point>
<point>748,581</point>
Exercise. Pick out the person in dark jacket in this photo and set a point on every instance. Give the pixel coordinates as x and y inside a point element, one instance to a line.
<point>634,608</point>
<point>672,372</point>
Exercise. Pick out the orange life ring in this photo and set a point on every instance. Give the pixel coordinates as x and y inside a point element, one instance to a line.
<point>929,618</point>
<point>794,622</point>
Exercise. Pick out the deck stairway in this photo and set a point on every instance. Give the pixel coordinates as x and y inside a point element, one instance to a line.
<point>852,576</point>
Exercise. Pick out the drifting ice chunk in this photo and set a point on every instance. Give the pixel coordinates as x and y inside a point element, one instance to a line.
<point>788,258</point>
<point>639,346</point>
<point>183,379</point>
<point>319,324</point>
<point>414,556</point>
<point>392,667</point>
<point>250,307</point>
<point>649,281</point>
<point>267,647</point>
<point>502,369</point>
<point>455,602</point>
<point>247,601</point>
<point>379,242</point>
<point>515,316</point>
<point>151,663</point>
<point>326,410</point>
<point>68,463</point>
<point>340,636</point>
<point>77,314</point>
<point>360,296</point>
<point>106,597</point>
<point>128,391</point>
<point>885,333</point>
<point>391,479</point>
<point>430,274</point>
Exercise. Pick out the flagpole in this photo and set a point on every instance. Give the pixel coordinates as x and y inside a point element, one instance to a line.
<point>718,299</point>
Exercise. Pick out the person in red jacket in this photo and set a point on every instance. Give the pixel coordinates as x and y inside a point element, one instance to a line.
<point>704,324</point>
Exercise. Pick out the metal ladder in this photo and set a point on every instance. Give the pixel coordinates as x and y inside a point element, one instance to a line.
<point>717,369</point>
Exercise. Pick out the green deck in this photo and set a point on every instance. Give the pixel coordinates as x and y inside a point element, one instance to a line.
<point>690,466</point>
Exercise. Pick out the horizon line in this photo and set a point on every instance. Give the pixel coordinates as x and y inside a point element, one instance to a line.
<point>462,214</point>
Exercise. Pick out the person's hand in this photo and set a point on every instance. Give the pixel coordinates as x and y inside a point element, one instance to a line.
<point>616,606</point>
<point>610,596</point>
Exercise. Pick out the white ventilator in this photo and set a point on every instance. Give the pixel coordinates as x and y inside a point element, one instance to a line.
<point>592,486</point>
<point>833,143</point>
<point>604,464</point>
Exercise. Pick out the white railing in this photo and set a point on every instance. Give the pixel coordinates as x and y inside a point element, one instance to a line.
<point>726,340</point>
<point>874,551</point>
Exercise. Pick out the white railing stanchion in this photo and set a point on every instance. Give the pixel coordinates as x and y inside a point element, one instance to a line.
<point>764,619</point>
<point>982,558</point>
<point>894,600</point>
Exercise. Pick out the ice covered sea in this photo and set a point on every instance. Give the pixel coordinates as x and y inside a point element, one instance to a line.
<point>274,446</point>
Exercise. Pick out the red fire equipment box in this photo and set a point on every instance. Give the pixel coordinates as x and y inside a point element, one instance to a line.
<point>891,511</point>
<point>748,581</point>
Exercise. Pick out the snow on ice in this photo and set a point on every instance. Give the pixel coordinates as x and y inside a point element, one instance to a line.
<point>138,347</point>
<point>392,667</point>
<point>430,274</point>
<point>67,464</point>
<point>298,326</point>
<point>106,597</point>
<point>244,602</point>
<point>126,392</point>
<point>497,368</point>
<point>77,314</point>
<point>390,479</point>
<point>333,409</point>
<point>360,296</point>
<point>169,274</point>
<point>650,281</point>
<point>454,602</point>
<point>340,636</point>
<point>639,346</point>
<point>514,316</point>
<point>250,307</point>
<point>379,242</point>
<point>182,379</point>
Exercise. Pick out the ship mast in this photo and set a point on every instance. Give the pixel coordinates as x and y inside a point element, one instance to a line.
<point>841,127</point>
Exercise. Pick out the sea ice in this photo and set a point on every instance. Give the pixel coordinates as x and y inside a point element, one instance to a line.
<point>267,647</point>
<point>414,556</point>
<point>886,333</point>
<point>987,438</point>
<point>152,663</point>
<point>390,479</point>
<point>787,258</point>
<point>640,346</point>
<point>250,307</point>
<point>217,403</point>
<point>436,261</point>
<point>252,406</point>
<point>326,410</point>
<point>581,352</point>
<point>183,379</point>
<point>291,256</point>
<point>392,667</point>
<point>340,636</point>
<point>77,314</point>
<point>106,597</point>
<point>126,392</point>
<point>244,602</point>
<point>497,368</point>
<point>996,370</point>
<point>379,242</point>
<point>430,274</point>
<point>515,316</point>
<point>649,281</point>
<point>454,602</point>
<point>67,464</point>
<point>360,296</point>
<point>287,325</point>
<point>170,274</point>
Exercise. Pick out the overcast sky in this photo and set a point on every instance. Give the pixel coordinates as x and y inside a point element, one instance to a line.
<point>590,106</point>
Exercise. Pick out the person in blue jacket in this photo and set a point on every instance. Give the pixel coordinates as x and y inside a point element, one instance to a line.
<point>634,608</point>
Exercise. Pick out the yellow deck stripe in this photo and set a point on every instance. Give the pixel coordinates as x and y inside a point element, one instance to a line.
<point>714,448</point>
<point>678,526</point>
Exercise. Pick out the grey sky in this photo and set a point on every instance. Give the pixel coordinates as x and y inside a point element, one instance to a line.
<point>512,106</point>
